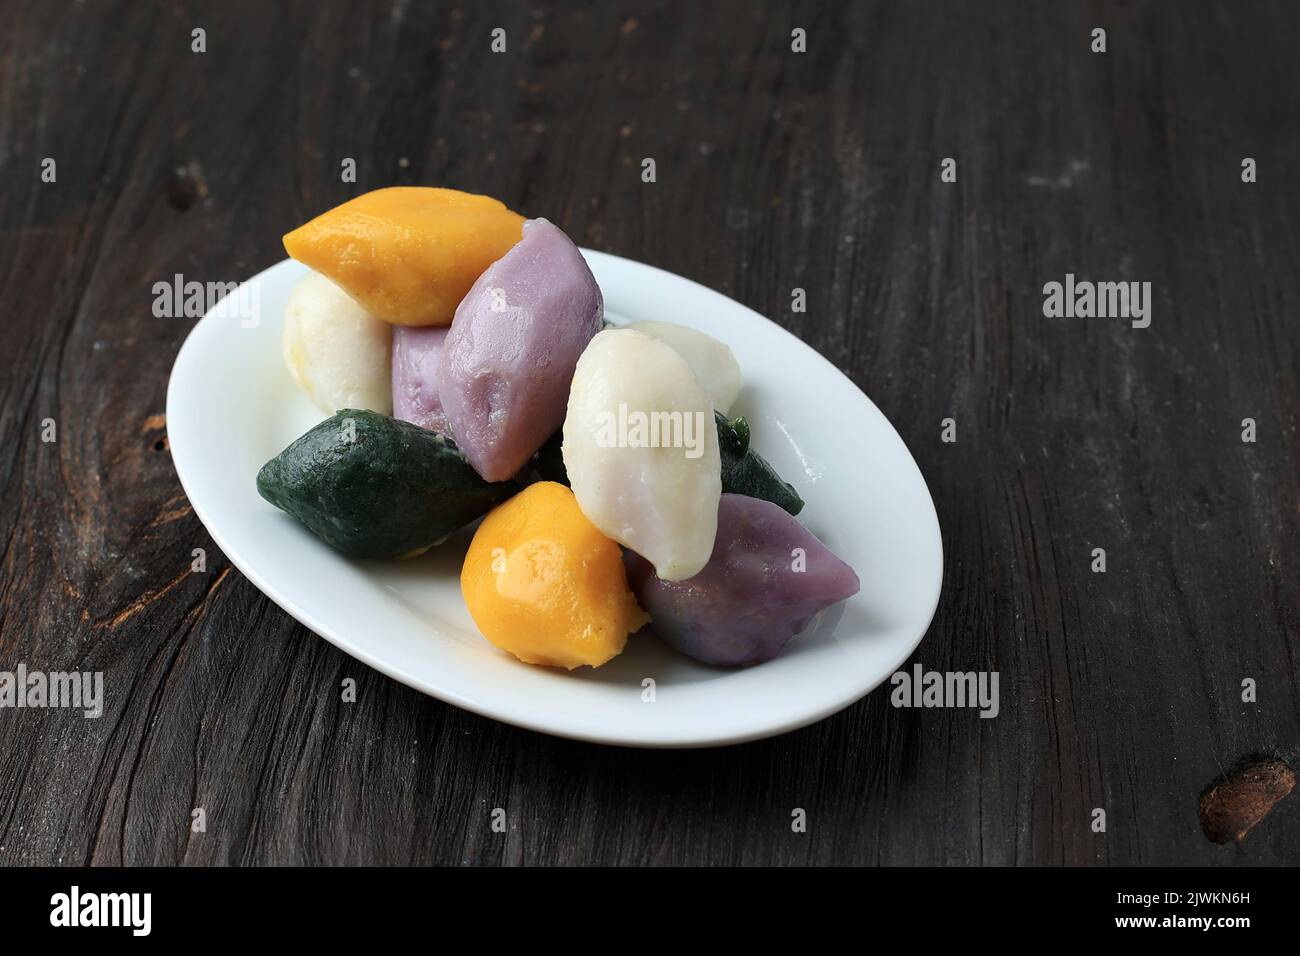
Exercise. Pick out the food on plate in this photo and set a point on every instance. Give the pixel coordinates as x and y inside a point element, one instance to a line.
<point>710,360</point>
<point>544,584</point>
<point>416,354</point>
<point>767,578</point>
<point>512,349</point>
<point>407,254</point>
<point>483,335</point>
<point>375,487</point>
<point>746,472</point>
<point>336,352</point>
<point>641,450</point>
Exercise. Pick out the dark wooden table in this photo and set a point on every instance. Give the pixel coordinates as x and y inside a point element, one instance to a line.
<point>775,170</point>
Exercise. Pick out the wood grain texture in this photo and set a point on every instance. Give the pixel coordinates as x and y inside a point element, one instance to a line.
<point>775,170</point>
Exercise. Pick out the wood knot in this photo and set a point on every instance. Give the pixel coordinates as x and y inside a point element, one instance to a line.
<point>1242,796</point>
<point>186,186</point>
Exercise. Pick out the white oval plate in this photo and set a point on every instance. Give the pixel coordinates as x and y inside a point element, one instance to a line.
<point>231,406</point>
